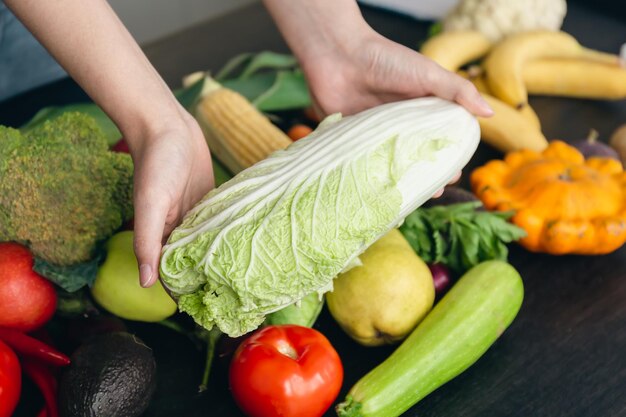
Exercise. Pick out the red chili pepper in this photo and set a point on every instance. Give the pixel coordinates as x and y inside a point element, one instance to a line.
<point>29,346</point>
<point>42,377</point>
<point>43,412</point>
<point>10,380</point>
<point>286,371</point>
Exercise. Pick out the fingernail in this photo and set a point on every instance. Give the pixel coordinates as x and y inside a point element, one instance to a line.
<point>485,107</point>
<point>145,275</point>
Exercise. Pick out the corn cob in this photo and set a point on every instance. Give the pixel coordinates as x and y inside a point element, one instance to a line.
<point>236,132</point>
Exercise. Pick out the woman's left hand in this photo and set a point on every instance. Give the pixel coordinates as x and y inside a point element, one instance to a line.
<point>372,70</point>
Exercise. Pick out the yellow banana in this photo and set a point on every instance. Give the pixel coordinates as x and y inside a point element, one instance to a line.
<point>509,130</point>
<point>452,50</point>
<point>527,111</point>
<point>478,79</point>
<point>575,78</point>
<point>505,63</point>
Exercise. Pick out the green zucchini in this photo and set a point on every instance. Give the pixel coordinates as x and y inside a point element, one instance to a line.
<point>461,327</point>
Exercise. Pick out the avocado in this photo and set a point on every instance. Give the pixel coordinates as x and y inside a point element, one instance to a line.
<point>111,375</point>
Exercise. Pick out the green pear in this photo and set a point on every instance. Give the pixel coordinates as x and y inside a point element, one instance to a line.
<point>383,300</point>
<point>117,286</point>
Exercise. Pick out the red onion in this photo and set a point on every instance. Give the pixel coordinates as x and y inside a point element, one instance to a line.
<point>591,147</point>
<point>441,277</point>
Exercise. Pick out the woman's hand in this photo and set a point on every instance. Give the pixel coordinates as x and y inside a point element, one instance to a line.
<point>370,70</point>
<point>350,67</point>
<point>173,167</point>
<point>173,171</point>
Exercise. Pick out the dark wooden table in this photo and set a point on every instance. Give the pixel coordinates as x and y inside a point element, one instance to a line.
<point>565,354</point>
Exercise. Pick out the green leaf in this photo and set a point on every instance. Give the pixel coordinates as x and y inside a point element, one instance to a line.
<point>289,91</point>
<point>231,66</point>
<point>273,91</point>
<point>271,81</point>
<point>248,64</point>
<point>188,96</point>
<point>501,251</point>
<point>460,236</point>
<point>469,238</point>
<point>417,234</point>
<point>440,246</point>
<point>268,60</point>
<point>251,87</point>
<point>220,173</point>
<point>73,277</point>
<point>453,259</point>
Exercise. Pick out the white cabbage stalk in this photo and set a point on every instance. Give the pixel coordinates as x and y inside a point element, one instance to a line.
<point>285,227</point>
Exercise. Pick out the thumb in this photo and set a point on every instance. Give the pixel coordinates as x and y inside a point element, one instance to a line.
<point>448,85</point>
<point>150,215</point>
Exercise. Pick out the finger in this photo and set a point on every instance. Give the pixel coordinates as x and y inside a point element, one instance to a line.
<point>446,84</point>
<point>150,214</point>
<point>438,194</point>
<point>456,178</point>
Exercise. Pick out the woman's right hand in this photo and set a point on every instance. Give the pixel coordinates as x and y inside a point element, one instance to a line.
<point>173,171</point>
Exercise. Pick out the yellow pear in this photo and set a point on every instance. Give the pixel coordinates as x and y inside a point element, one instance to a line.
<point>382,300</point>
<point>117,286</point>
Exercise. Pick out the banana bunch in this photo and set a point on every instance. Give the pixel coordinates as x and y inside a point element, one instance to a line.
<point>538,62</point>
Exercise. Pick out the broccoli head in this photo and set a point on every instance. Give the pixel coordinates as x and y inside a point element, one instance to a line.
<point>61,189</point>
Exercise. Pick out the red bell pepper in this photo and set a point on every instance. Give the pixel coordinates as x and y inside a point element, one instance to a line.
<point>31,347</point>
<point>10,380</point>
<point>286,371</point>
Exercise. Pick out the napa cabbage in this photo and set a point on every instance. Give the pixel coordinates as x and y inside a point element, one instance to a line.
<point>285,227</point>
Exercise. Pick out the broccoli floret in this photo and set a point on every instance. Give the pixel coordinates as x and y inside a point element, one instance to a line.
<point>61,189</point>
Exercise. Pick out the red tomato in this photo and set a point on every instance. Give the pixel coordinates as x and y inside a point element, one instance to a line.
<point>10,380</point>
<point>297,132</point>
<point>27,300</point>
<point>286,371</point>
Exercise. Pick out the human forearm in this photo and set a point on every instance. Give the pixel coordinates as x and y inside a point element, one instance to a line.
<point>94,47</point>
<point>172,163</point>
<point>316,27</point>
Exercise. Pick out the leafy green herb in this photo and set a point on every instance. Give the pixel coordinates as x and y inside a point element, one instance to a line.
<point>458,235</point>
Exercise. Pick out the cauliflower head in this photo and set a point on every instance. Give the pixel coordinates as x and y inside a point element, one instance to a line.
<point>497,19</point>
<point>61,189</point>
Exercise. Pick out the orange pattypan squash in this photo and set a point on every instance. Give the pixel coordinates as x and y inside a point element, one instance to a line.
<point>565,203</point>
